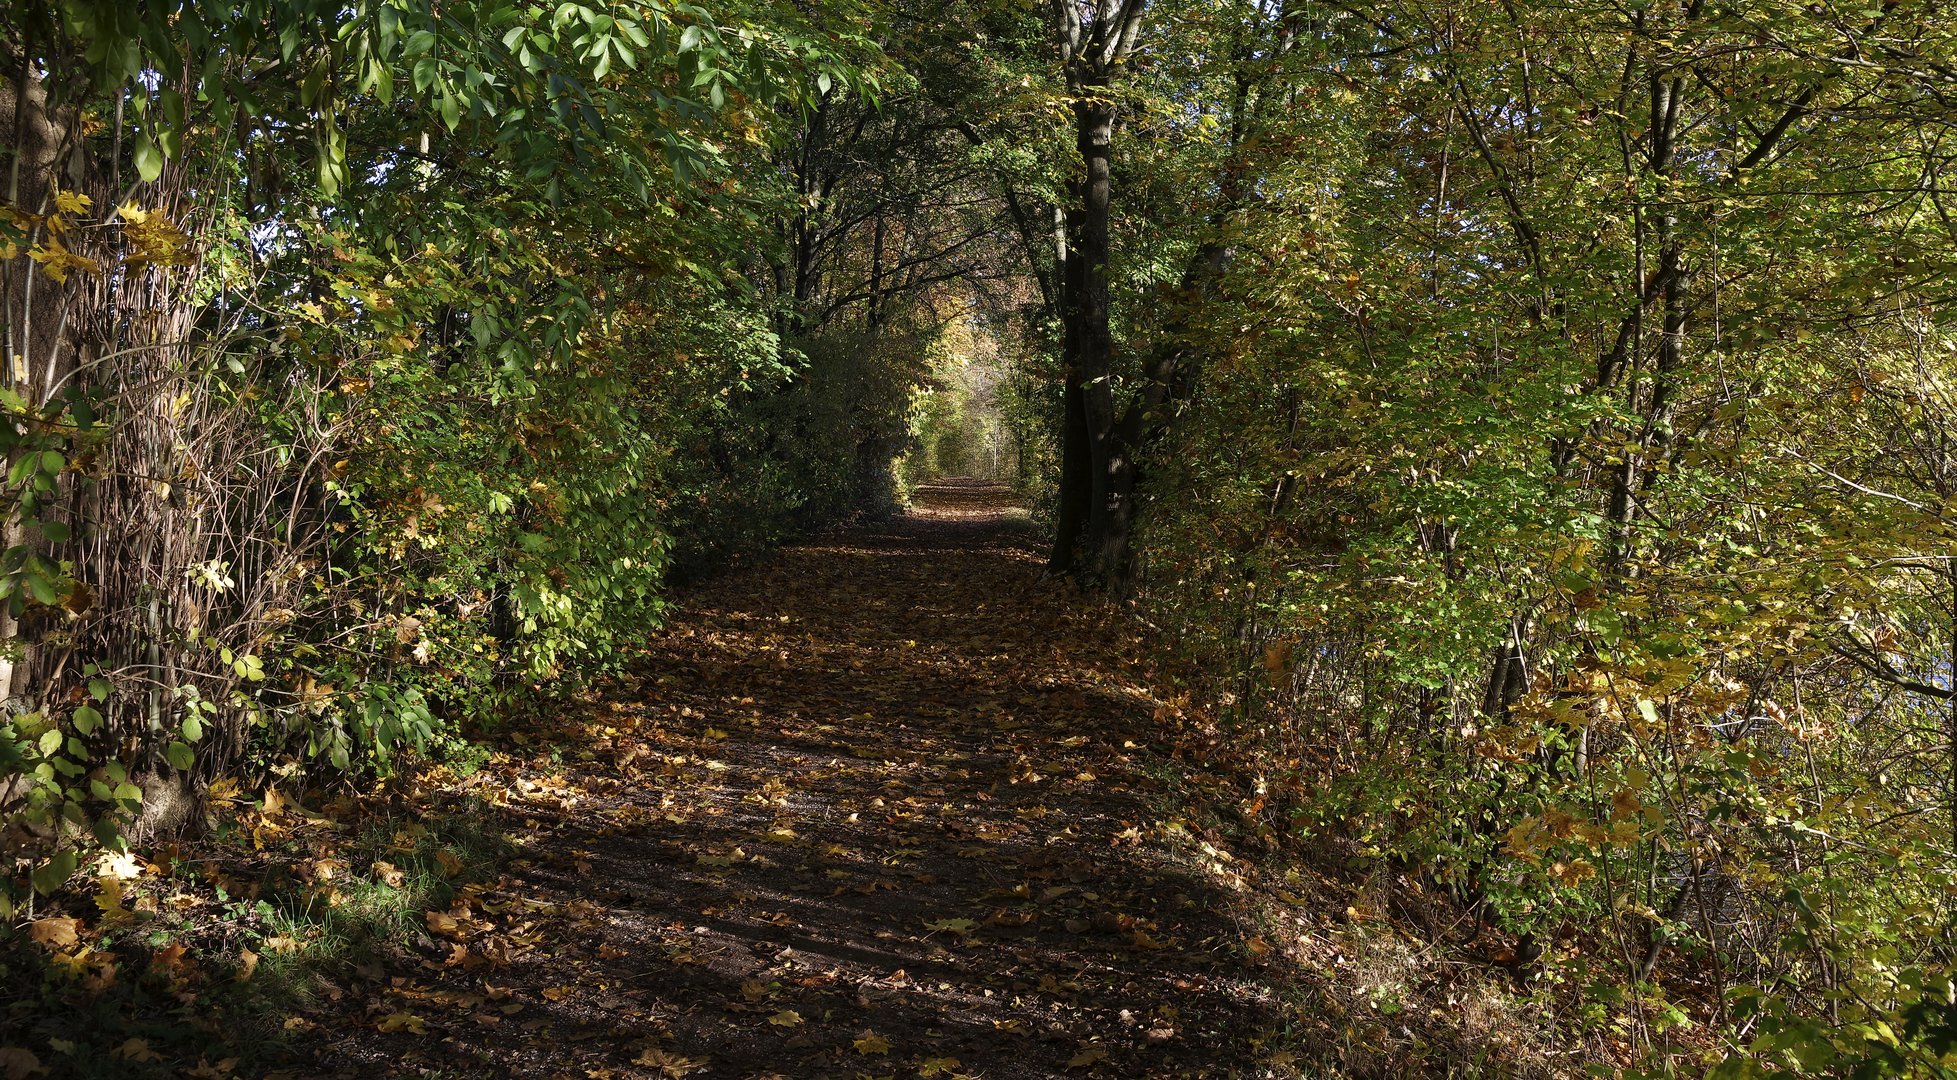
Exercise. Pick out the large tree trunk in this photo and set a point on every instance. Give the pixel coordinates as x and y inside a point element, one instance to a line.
<point>1111,463</point>
<point>40,332</point>
<point>1076,465</point>
<point>1095,40</point>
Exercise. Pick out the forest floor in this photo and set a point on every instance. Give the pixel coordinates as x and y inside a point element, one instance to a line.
<point>884,804</point>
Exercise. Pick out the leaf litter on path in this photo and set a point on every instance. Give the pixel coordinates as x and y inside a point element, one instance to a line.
<point>878,806</point>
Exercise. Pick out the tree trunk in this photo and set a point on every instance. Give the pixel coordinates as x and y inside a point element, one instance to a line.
<point>1111,463</point>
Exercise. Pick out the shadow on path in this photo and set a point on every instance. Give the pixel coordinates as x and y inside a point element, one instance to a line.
<point>879,807</point>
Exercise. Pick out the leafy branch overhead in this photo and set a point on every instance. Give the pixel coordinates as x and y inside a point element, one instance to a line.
<point>1491,469</point>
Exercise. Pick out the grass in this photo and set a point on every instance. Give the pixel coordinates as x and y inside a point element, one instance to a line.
<point>215,963</point>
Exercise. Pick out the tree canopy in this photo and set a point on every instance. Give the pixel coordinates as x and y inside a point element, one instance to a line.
<point>1529,427</point>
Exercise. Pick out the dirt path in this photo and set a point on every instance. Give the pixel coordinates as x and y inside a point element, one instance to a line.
<point>869,809</point>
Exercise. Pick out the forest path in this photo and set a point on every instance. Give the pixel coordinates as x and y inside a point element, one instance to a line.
<point>882,805</point>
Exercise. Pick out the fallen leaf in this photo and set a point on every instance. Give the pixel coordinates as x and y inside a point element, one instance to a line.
<point>871,1043</point>
<point>18,1064</point>
<point>109,898</point>
<point>786,1018</point>
<point>169,959</point>
<point>1088,1057</point>
<point>137,1050</point>
<point>938,1066</point>
<point>55,933</point>
<point>403,1021</point>
<point>672,1065</point>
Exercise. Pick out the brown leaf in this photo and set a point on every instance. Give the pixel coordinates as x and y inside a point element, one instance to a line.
<point>1088,1057</point>
<point>137,1050</point>
<point>55,933</point>
<point>670,1065</point>
<point>19,1064</point>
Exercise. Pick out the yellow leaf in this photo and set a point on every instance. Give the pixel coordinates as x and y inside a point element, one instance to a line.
<point>132,213</point>
<point>1572,873</point>
<point>956,926</point>
<point>109,899</point>
<point>871,1043</point>
<point>1087,1057</point>
<point>786,1018</point>
<point>247,964</point>
<point>71,202</point>
<point>403,1021</point>
<point>940,1066</point>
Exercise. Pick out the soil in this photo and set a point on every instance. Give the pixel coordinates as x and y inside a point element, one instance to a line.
<point>888,804</point>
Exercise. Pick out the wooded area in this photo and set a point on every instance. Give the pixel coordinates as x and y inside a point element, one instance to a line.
<point>1524,431</point>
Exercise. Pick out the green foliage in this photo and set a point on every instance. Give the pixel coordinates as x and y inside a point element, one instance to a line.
<point>1557,482</point>
<point>368,457</point>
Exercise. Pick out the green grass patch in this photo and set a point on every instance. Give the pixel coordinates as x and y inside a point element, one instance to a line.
<point>218,961</point>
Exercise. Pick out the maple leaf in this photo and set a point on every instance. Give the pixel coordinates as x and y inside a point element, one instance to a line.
<point>672,1065</point>
<point>19,1064</point>
<point>124,866</point>
<point>1088,1057</point>
<point>55,933</point>
<point>938,1066</point>
<point>786,1018</point>
<point>403,1021</point>
<point>871,1043</point>
<point>956,926</point>
<point>170,959</point>
<point>137,1050</point>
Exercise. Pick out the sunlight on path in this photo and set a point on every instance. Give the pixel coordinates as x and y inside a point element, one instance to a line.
<point>862,810</point>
